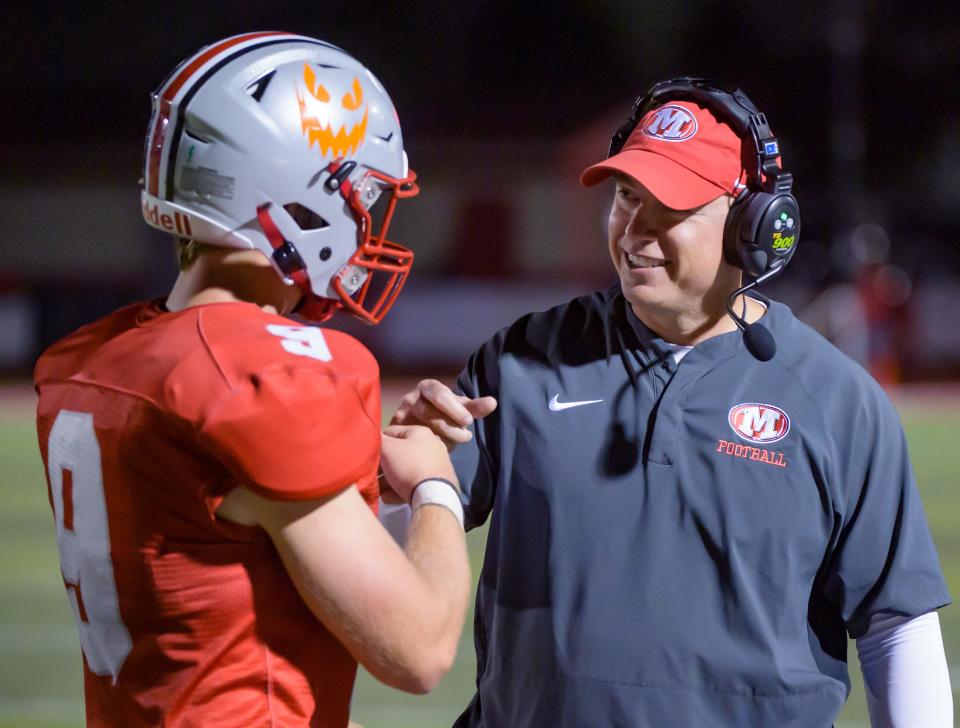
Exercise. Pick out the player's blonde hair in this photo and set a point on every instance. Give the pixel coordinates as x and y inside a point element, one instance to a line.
<point>187,251</point>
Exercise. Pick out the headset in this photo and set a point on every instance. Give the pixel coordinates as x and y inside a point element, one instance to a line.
<point>763,226</point>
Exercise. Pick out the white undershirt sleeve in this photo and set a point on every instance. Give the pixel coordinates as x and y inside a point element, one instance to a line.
<point>905,672</point>
<point>395,517</point>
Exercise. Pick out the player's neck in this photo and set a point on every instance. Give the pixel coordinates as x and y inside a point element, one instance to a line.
<point>228,276</point>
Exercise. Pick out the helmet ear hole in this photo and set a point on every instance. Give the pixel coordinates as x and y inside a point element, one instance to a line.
<point>257,88</point>
<point>194,136</point>
<point>305,218</point>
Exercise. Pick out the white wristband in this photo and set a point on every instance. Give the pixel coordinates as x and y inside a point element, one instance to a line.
<point>439,493</point>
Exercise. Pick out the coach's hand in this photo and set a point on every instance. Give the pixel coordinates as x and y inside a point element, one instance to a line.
<point>409,455</point>
<point>434,405</point>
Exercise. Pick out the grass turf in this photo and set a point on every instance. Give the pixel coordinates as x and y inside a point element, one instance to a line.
<point>40,666</point>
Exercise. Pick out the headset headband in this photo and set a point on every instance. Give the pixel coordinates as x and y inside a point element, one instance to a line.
<point>735,108</point>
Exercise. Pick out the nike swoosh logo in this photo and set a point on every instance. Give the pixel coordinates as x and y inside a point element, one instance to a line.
<point>556,405</point>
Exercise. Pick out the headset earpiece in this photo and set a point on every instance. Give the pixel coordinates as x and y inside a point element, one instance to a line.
<point>620,135</point>
<point>734,250</point>
<point>761,232</point>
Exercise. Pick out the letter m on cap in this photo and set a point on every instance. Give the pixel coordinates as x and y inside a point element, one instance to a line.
<point>671,124</point>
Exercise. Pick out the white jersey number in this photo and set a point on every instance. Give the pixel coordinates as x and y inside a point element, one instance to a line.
<point>83,538</point>
<point>302,341</point>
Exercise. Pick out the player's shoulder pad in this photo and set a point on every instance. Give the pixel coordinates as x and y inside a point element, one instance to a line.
<point>241,346</point>
<point>238,345</point>
<point>63,356</point>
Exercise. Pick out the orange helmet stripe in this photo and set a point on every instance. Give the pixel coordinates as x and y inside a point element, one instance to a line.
<point>166,95</point>
<point>177,83</point>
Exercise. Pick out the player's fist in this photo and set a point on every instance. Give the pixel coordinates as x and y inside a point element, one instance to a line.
<point>434,405</point>
<point>409,455</point>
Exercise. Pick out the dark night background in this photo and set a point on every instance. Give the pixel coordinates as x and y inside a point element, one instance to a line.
<point>502,104</point>
<point>864,96</point>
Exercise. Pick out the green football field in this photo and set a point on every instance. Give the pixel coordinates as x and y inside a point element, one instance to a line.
<point>40,666</point>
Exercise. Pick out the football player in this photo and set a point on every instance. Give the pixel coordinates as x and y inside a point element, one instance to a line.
<point>212,466</point>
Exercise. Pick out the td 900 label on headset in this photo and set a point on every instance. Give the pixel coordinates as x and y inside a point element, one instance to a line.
<point>783,243</point>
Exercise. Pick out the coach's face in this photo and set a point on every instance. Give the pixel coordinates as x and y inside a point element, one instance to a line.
<point>670,262</point>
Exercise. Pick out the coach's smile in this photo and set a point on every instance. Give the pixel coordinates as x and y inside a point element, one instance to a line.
<point>637,261</point>
<point>670,262</point>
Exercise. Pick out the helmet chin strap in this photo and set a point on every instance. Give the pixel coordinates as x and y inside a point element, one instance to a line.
<point>288,260</point>
<point>374,254</point>
<point>285,255</point>
<point>316,309</point>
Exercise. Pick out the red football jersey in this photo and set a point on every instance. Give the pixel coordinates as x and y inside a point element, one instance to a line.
<point>146,420</point>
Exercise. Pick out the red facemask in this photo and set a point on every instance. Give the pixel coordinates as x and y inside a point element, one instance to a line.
<point>385,263</point>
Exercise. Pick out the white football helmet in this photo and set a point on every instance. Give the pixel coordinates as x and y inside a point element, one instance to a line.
<point>283,143</point>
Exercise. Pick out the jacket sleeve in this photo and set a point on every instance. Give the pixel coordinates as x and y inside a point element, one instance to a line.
<point>478,462</point>
<point>884,559</point>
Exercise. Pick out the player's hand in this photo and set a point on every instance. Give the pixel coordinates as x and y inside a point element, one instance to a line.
<point>409,455</point>
<point>434,405</point>
<point>387,494</point>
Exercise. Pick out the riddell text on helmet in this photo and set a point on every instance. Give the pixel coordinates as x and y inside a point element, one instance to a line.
<point>178,223</point>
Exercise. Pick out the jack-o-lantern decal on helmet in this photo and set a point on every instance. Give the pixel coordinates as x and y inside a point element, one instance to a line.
<point>320,106</point>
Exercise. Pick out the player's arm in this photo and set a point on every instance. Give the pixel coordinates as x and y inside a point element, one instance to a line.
<point>399,613</point>
<point>458,419</point>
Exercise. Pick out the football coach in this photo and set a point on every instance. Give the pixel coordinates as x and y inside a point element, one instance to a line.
<point>693,497</point>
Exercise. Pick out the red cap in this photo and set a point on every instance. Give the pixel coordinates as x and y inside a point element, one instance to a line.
<point>681,153</point>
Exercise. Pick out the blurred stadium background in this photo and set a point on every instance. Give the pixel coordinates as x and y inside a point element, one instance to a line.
<point>502,104</point>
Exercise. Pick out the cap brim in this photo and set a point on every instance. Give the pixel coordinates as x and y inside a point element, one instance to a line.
<point>671,183</point>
